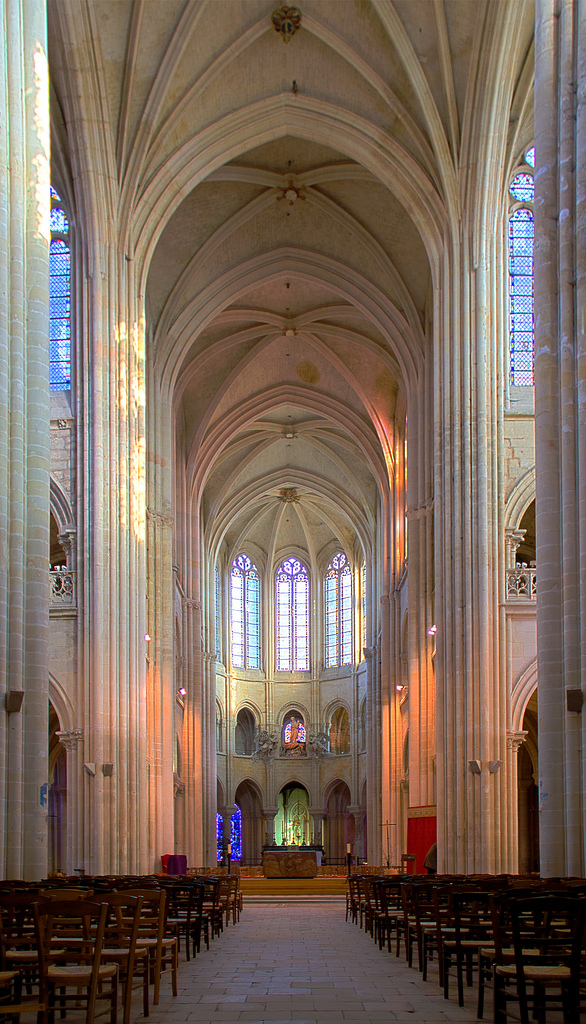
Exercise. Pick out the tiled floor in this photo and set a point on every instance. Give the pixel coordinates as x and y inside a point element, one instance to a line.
<point>302,963</point>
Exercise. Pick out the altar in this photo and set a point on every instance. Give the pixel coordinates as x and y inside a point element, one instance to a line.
<point>290,861</point>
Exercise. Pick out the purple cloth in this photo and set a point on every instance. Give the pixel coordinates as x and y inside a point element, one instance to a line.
<point>177,864</point>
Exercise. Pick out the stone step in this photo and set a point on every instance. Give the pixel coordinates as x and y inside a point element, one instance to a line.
<point>320,886</point>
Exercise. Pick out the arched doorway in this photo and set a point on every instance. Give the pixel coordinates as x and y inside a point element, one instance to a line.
<point>338,823</point>
<point>249,801</point>
<point>293,822</point>
<point>57,798</point>
<point>528,794</point>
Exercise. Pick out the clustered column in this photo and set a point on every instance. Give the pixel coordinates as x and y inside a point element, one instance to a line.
<point>24,434</point>
<point>560,424</point>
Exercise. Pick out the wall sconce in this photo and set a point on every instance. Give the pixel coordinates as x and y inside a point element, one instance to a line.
<point>147,637</point>
<point>475,767</point>
<point>90,767</point>
<point>493,766</point>
<point>182,691</point>
<point>432,631</point>
<point>399,687</point>
<point>107,770</point>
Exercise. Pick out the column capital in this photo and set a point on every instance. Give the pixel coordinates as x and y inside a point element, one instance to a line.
<point>515,738</point>
<point>70,738</point>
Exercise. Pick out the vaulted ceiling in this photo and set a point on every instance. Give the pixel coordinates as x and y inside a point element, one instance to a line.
<point>286,203</point>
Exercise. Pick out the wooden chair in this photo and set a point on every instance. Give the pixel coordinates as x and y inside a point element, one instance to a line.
<point>71,975</point>
<point>12,1000</point>
<point>548,937</point>
<point>472,925</point>
<point>152,935</point>
<point>120,937</point>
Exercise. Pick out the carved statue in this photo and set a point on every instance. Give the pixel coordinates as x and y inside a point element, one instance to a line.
<point>318,744</point>
<point>265,746</point>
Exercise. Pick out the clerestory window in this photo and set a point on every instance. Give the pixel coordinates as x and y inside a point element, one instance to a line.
<point>338,607</point>
<point>521,276</point>
<point>292,616</point>
<point>245,613</point>
<point>59,298</point>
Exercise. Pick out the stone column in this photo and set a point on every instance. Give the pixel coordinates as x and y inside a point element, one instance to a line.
<point>269,816</point>
<point>71,741</point>
<point>560,425</point>
<point>24,435</point>
<point>514,741</point>
<point>317,813</point>
<point>358,815</point>
<point>373,742</point>
<point>512,540</point>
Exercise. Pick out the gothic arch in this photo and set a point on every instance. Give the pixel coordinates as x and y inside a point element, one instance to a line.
<point>522,690</point>
<point>62,704</point>
<point>521,496</point>
<point>61,508</point>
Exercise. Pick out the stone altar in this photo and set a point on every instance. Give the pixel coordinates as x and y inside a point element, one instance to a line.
<point>289,864</point>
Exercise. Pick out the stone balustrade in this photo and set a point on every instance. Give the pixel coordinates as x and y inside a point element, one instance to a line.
<point>521,584</point>
<point>63,590</point>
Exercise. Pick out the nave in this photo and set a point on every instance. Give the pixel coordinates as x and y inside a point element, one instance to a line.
<point>302,962</point>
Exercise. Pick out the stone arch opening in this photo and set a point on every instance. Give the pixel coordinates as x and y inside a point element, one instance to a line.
<point>338,823</point>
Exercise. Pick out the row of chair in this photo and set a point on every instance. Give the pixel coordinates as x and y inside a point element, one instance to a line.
<point>72,943</point>
<point>526,936</point>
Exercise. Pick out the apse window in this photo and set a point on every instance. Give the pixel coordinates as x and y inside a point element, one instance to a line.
<point>59,298</point>
<point>338,607</point>
<point>292,616</point>
<point>245,613</point>
<point>521,276</point>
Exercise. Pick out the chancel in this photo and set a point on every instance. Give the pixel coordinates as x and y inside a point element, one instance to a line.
<point>292,450</point>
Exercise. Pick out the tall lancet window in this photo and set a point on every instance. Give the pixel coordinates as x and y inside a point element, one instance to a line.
<point>521,305</point>
<point>245,613</point>
<point>292,600</point>
<point>338,602</point>
<point>59,299</point>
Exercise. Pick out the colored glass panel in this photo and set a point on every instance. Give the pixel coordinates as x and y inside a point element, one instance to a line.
<point>245,613</point>
<point>59,315</point>
<point>292,613</point>
<point>522,188</point>
<point>236,834</point>
<point>219,836</point>
<point>530,156</point>
<point>521,304</point>
<point>217,609</point>
<point>338,601</point>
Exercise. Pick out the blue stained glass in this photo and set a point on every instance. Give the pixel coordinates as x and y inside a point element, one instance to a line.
<point>338,599</point>
<point>54,195</point>
<point>521,300</point>
<point>292,600</point>
<point>219,836</point>
<point>522,188</point>
<point>236,834</point>
<point>218,608</point>
<point>530,156</point>
<point>58,221</point>
<point>59,314</point>
<point>245,613</point>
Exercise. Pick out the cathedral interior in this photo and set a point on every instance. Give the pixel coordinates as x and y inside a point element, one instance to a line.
<point>292,446</point>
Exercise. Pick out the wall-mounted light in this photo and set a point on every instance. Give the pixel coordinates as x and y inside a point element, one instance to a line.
<point>399,687</point>
<point>432,631</point>
<point>475,767</point>
<point>493,766</point>
<point>182,691</point>
<point>147,636</point>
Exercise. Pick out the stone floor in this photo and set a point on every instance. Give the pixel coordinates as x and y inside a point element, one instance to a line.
<point>303,963</point>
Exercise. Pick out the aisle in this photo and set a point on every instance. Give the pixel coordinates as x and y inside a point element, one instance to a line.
<point>301,963</point>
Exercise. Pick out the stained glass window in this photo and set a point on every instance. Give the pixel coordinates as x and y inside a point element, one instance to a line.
<point>245,613</point>
<point>59,299</point>
<point>530,156</point>
<point>521,321</point>
<point>363,607</point>
<point>522,188</point>
<point>236,834</point>
<point>292,600</point>
<point>218,609</point>
<point>338,600</point>
<point>219,837</point>
<point>294,730</point>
